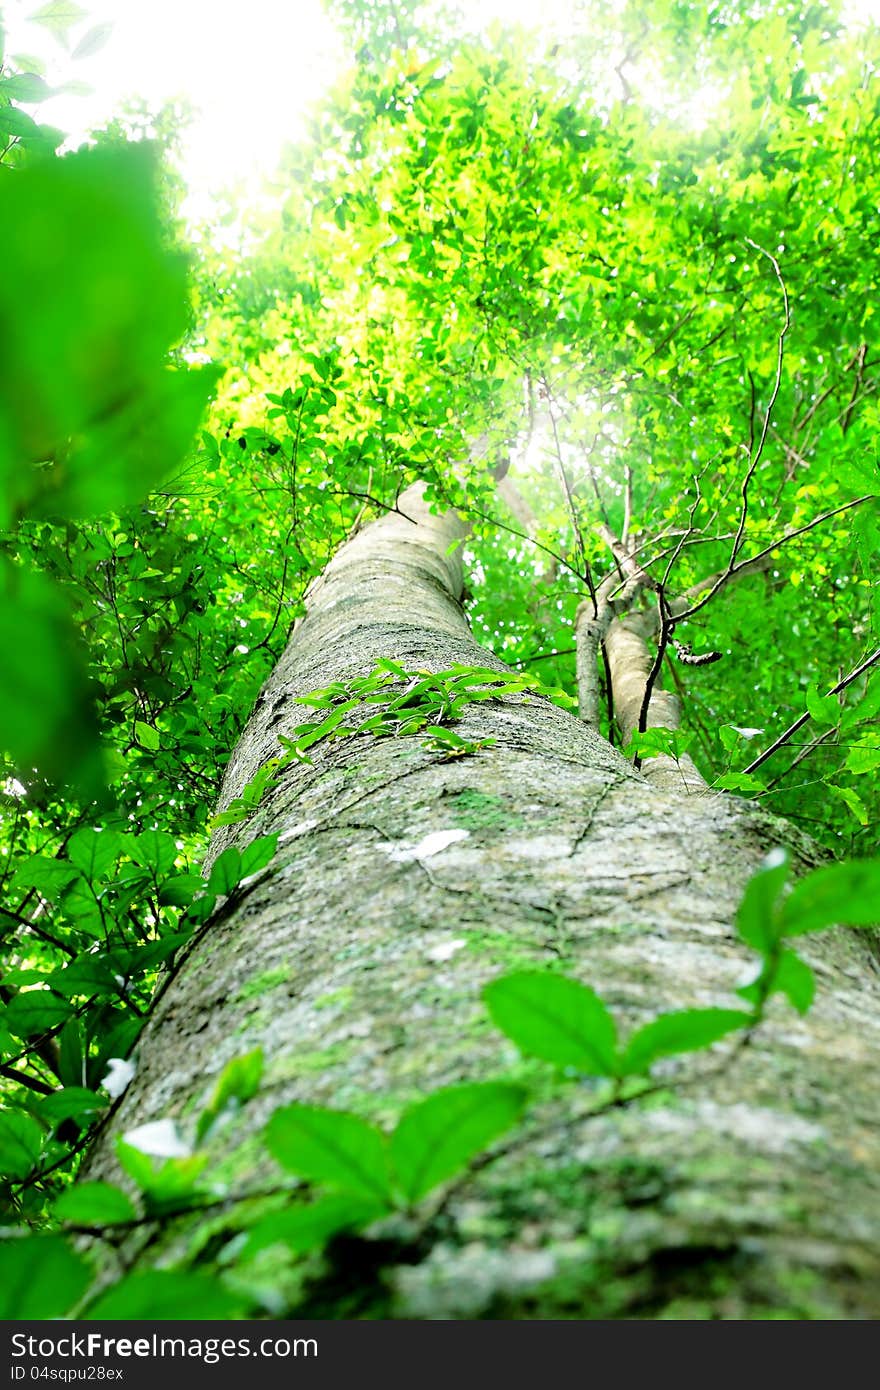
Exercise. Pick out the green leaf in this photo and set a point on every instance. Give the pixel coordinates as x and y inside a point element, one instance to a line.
<point>153,849</point>
<point>48,715</point>
<point>556,1019</point>
<point>70,1103</point>
<point>40,1277</point>
<point>866,707</point>
<point>838,894</point>
<point>226,872</point>
<point>309,1227</point>
<point>437,1137</point>
<point>15,122</point>
<point>92,42</point>
<point>94,1204</point>
<point>139,1166</point>
<point>258,854</point>
<point>738,782</point>
<point>90,415</point>
<point>167,1295</point>
<point>756,916</point>
<point>35,1011</point>
<point>58,16</point>
<point>864,756</point>
<point>824,709</point>
<point>794,978</point>
<point>200,909</point>
<point>21,1143</point>
<point>50,876</point>
<point>25,86</point>
<point>180,889</point>
<point>852,800</point>
<point>94,852</point>
<point>146,736</point>
<point>332,1147</point>
<point>175,1185</point>
<point>238,1082</point>
<point>685,1030</point>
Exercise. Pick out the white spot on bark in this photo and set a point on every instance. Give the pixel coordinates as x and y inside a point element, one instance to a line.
<point>538,847</point>
<point>774,858</point>
<point>160,1138</point>
<point>301,828</point>
<point>462,1284</point>
<point>765,1131</point>
<point>446,950</point>
<point>119,1074</point>
<point>428,846</point>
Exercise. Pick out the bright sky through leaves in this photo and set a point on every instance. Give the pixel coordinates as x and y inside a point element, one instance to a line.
<point>248,72</point>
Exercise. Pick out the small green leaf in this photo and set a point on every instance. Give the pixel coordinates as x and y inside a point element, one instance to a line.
<point>58,15</point>
<point>167,1295</point>
<point>139,1166</point>
<point>146,736</point>
<point>864,756</point>
<point>153,849</point>
<point>556,1019</point>
<point>310,1227</point>
<point>94,1204</point>
<point>175,1185</point>
<point>852,800</point>
<point>824,709</point>
<point>756,916</point>
<point>738,782</point>
<point>179,890</point>
<point>238,1082</point>
<point>794,978</point>
<point>657,742</point>
<point>87,974</point>
<point>440,734</point>
<point>838,894</point>
<point>71,1103</point>
<point>258,854</point>
<point>25,86</point>
<point>35,1011</point>
<point>40,1277</point>
<point>437,1137</point>
<point>15,122</point>
<point>226,873</point>
<point>200,909</point>
<point>48,714</point>
<point>333,1147</point>
<point>685,1030</point>
<point>92,42</point>
<point>94,852</point>
<point>49,876</point>
<point>21,1143</point>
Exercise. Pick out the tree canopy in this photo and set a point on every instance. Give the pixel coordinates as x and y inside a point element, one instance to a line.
<point>607,289</point>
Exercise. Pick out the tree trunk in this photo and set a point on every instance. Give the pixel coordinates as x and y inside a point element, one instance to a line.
<point>356,962</point>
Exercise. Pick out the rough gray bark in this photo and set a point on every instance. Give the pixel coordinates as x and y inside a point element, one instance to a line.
<point>356,961</point>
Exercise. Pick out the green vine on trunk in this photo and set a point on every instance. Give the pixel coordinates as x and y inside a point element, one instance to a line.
<point>410,702</point>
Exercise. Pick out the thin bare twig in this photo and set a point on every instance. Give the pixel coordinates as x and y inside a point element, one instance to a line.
<point>768,414</point>
<point>799,723</point>
<point>570,504</point>
<point>728,574</point>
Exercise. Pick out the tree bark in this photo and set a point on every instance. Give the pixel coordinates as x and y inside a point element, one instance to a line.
<point>356,962</point>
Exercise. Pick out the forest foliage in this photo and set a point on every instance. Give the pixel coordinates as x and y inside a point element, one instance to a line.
<point>654,325</point>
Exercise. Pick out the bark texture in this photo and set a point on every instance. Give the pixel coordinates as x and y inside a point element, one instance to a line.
<point>357,958</point>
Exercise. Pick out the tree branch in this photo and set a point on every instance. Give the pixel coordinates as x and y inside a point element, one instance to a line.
<point>799,723</point>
